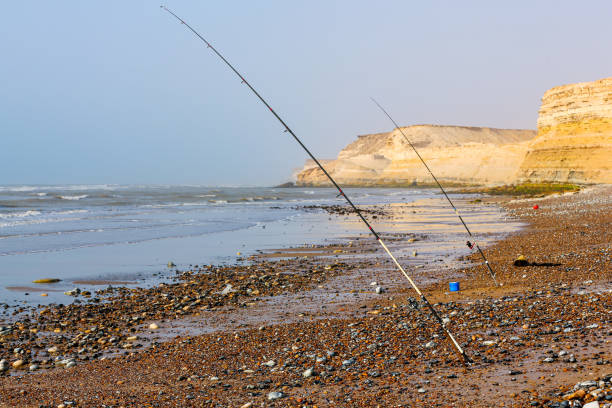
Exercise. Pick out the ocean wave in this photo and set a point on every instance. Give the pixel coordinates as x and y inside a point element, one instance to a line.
<point>23,214</point>
<point>74,197</point>
<point>75,187</point>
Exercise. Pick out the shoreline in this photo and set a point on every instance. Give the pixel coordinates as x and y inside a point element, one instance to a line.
<point>393,330</point>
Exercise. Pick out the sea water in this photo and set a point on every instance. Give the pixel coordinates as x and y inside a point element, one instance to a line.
<point>130,233</point>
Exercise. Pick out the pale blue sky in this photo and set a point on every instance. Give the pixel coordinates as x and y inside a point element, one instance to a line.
<point>119,92</point>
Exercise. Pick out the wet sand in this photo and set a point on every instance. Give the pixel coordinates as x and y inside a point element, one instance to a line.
<point>314,330</point>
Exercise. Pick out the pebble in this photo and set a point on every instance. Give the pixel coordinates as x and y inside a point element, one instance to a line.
<point>270,363</point>
<point>17,364</point>
<point>33,367</point>
<point>275,395</point>
<point>431,344</point>
<point>70,364</point>
<point>308,373</point>
<point>349,362</point>
<point>52,349</point>
<point>421,390</point>
<point>488,342</point>
<point>379,290</point>
<point>153,326</point>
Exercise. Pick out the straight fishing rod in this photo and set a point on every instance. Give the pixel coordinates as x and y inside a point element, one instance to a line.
<point>466,359</point>
<point>469,244</point>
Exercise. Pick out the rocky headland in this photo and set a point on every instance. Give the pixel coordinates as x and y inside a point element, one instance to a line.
<point>457,155</point>
<point>574,142</point>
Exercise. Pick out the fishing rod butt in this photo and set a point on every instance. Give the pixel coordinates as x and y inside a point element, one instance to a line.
<point>467,361</point>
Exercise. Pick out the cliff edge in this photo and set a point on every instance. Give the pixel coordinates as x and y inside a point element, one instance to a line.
<point>456,154</point>
<point>574,142</point>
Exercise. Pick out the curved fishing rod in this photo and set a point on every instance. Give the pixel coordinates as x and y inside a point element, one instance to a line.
<point>469,244</point>
<point>466,359</point>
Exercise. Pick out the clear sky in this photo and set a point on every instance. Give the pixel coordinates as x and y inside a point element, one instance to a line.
<point>119,92</point>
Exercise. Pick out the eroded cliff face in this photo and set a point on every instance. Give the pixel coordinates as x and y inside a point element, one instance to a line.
<point>574,142</point>
<point>456,154</point>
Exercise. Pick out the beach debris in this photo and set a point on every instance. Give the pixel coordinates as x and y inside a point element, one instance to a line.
<point>47,280</point>
<point>521,261</point>
<point>238,253</point>
<point>44,294</point>
<point>535,207</point>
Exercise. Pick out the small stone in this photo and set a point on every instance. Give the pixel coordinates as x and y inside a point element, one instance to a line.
<point>153,326</point>
<point>17,364</point>
<point>308,373</point>
<point>488,343</point>
<point>379,290</point>
<point>549,360</point>
<point>431,344</point>
<point>349,362</point>
<point>421,390</point>
<point>270,363</point>
<point>227,289</point>
<point>592,404</point>
<point>275,395</point>
<point>33,367</point>
<point>70,364</point>
<point>247,405</point>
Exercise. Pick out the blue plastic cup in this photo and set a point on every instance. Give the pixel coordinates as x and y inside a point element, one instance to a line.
<point>453,286</point>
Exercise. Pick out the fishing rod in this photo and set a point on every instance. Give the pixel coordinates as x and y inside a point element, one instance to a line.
<point>466,358</point>
<point>470,245</point>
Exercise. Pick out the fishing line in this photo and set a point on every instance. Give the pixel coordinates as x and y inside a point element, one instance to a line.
<point>470,245</point>
<point>466,359</point>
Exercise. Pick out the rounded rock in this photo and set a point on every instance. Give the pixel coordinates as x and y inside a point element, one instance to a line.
<point>275,395</point>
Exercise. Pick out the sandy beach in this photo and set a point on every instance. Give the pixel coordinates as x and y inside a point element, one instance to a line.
<point>308,327</point>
